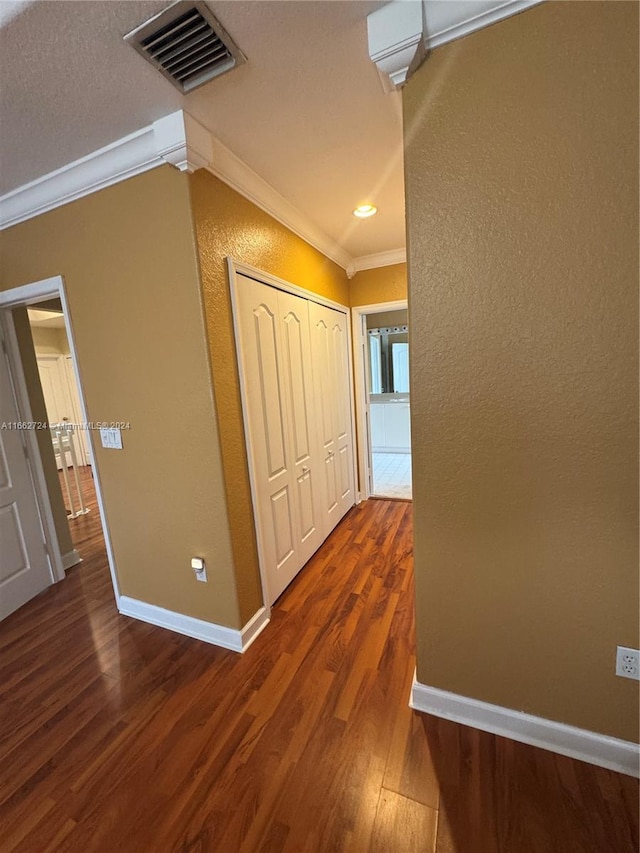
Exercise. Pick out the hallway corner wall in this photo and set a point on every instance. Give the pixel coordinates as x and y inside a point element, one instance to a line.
<point>521,157</point>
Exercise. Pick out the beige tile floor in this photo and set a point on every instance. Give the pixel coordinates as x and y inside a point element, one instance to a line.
<point>392,475</point>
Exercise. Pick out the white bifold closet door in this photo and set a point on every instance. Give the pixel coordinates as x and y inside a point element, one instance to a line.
<point>299,431</point>
<point>330,353</point>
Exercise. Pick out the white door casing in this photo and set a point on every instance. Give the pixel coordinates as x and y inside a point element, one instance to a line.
<point>25,568</point>
<point>281,365</point>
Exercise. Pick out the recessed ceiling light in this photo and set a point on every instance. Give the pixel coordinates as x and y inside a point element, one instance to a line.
<point>365,210</point>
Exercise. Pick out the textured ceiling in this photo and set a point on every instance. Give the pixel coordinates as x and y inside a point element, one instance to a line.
<point>307,112</point>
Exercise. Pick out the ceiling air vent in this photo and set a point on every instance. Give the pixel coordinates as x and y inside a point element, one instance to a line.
<point>187,44</point>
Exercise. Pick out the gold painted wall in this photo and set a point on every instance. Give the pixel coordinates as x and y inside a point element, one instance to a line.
<point>521,153</point>
<point>228,224</point>
<point>50,341</point>
<point>383,284</point>
<point>129,262</point>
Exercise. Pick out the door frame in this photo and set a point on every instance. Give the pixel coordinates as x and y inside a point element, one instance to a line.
<point>360,359</point>
<point>235,268</point>
<point>23,297</point>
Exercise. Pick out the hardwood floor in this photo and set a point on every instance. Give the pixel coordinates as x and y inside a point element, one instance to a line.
<point>86,530</point>
<point>120,736</point>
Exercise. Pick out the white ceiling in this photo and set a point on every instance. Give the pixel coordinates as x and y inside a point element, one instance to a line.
<point>307,112</point>
<point>46,319</point>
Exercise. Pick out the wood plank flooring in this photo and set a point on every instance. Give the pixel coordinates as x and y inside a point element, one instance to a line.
<point>120,736</point>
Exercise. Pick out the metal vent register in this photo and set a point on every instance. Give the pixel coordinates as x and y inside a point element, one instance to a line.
<point>187,44</point>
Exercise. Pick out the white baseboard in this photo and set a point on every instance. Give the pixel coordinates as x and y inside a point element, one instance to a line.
<point>254,626</point>
<point>582,744</point>
<point>71,558</point>
<point>218,635</point>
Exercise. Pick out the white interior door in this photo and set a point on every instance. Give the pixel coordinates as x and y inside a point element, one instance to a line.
<point>375,364</point>
<point>52,388</point>
<point>400,361</point>
<point>83,448</point>
<point>342,401</point>
<point>330,359</point>
<point>274,340</point>
<point>24,564</point>
<point>294,365</point>
<point>298,381</point>
<point>58,399</point>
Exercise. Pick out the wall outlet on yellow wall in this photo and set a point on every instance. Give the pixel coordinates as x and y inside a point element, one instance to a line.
<point>200,569</point>
<point>628,663</point>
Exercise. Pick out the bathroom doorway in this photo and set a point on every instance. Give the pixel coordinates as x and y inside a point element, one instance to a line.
<point>381,335</point>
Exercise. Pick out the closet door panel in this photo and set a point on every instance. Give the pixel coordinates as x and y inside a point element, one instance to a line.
<point>307,508</point>
<point>330,347</point>
<point>293,363</point>
<point>343,437</point>
<point>324,374</point>
<point>339,347</point>
<point>282,516</point>
<point>324,384</point>
<point>346,473</point>
<point>295,373</point>
<point>331,494</point>
<point>271,458</point>
<point>298,382</point>
<point>270,392</point>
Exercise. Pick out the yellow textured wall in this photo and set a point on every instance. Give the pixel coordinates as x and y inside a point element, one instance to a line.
<point>521,153</point>
<point>383,284</point>
<point>228,224</point>
<point>129,262</point>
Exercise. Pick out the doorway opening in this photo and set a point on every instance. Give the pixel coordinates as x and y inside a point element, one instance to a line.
<point>60,483</point>
<point>383,401</point>
<point>70,442</point>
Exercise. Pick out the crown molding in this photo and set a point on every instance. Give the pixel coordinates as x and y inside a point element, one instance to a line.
<point>129,156</point>
<point>380,259</point>
<point>183,142</point>
<point>177,139</point>
<point>396,29</point>
<point>240,177</point>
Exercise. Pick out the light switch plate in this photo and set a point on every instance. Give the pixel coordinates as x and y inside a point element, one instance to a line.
<point>111,437</point>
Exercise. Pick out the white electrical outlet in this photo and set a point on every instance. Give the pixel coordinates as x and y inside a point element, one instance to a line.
<point>200,569</point>
<point>628,663</point>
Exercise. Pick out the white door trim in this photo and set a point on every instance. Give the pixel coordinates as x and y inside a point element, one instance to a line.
<point>360,372</point>
<point>235,268</point>
<point>28,294</point>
